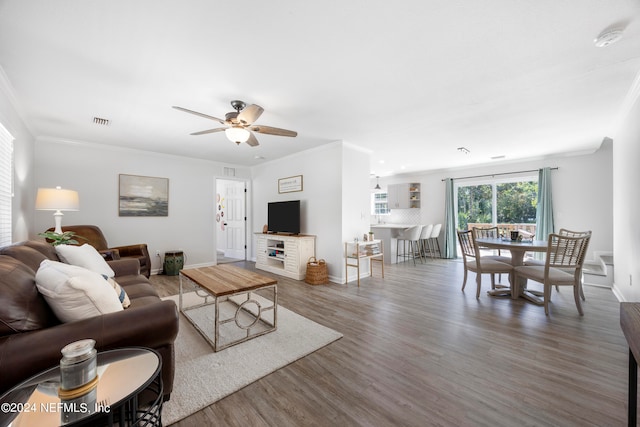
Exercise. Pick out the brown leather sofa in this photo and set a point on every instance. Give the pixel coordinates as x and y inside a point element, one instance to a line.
<point>92,235</point>
<point>31,336</point>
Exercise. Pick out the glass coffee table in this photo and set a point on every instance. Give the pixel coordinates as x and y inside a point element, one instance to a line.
<point>118,398</point>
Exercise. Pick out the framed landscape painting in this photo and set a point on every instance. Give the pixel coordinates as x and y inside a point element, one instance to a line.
<point>143,196</point>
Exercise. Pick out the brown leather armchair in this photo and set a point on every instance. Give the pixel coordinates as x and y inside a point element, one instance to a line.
<point>92,235</point>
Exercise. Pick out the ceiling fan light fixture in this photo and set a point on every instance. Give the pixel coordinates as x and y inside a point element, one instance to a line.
<point>237,134</point>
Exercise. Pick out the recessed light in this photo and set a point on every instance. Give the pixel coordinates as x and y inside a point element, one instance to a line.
<point>258,157</point>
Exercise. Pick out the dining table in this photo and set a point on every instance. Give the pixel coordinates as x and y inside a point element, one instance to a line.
<point>517,248</point>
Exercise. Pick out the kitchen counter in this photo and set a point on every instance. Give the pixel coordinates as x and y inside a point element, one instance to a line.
<point>389,233</point>
<point>392,226</point>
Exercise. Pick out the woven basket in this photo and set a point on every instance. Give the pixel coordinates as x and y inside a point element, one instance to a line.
<point>317,272</point>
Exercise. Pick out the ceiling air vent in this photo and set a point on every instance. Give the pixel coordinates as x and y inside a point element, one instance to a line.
<point>100,121</point>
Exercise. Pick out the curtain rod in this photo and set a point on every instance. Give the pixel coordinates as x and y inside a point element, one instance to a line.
<point>498,174</point>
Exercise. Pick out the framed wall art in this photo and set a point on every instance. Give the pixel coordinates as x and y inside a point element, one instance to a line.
<point>290,184</point>
<point>143,196</point>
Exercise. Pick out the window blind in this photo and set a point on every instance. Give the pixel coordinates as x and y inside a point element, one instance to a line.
<point>6,185</point>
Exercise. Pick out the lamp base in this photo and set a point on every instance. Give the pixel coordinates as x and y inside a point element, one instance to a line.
<point>57,216</point>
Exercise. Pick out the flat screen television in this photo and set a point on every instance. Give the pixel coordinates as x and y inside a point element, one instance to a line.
<point>284,217</point>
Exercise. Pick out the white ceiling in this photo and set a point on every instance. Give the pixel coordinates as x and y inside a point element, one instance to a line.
<point>410,80</point>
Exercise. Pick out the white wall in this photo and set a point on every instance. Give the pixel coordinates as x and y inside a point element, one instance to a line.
<point>334,200</point>
<point>582,192</point>
<point>333,175</point>
<point>320,199</point>
<point>93,170</point>
<point>356,203</point>
<point>626,207</point>
<point>23,153</point>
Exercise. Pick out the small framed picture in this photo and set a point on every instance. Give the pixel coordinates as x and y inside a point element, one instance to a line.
<point>290,184</point>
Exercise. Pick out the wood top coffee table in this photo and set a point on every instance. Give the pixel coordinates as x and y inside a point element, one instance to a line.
<point>245,303</point>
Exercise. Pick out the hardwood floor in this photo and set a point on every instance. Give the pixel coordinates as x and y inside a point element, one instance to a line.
<point>417,351</point>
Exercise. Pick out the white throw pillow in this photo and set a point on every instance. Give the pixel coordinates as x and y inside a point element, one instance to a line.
<point>75,293</point>
<point>84,256</point>
<point>120,292</point>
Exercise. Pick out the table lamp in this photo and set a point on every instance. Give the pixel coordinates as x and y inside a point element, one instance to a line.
<point>58,200</point>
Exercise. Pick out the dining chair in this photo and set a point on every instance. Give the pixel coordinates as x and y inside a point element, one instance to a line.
<point>566,232</point>
<point>490,233</point>
<point>409,237</point>
<point>563,232</point>
<point>562,267</point>
<point>480,265</point>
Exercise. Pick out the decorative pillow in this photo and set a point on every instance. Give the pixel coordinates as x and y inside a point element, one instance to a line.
<point>84,256</point>
<point>75,293</point>
<point>120,292</point>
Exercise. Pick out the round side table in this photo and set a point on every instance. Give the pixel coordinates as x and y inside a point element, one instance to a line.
<point>129,392</point>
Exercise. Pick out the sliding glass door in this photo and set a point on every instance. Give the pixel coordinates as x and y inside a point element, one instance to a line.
<point>508,203</point>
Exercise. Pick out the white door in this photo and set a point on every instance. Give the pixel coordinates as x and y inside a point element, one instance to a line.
<point>230,218</point>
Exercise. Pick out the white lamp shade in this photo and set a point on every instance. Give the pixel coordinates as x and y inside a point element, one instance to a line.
<point>237,134</point>
<point>57,199</point>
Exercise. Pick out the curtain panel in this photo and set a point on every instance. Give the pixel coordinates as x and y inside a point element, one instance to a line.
<point>544,211</point>
<point>450,244</point>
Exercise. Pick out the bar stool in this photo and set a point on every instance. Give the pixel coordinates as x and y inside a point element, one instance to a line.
<point>410,236</point>
<point>434,243</point>
<point>424,239</point>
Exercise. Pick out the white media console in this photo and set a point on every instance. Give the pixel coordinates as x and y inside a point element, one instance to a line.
<point>286,255</point>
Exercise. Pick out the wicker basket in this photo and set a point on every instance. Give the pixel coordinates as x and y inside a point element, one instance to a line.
<point>317,273</point>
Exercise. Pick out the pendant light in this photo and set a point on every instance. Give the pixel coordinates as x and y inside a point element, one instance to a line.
<point>377,187</point>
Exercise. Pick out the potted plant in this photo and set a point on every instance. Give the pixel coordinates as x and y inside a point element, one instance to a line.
<point>65,238</point>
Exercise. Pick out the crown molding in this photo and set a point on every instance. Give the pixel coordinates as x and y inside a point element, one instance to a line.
<point>629,101</point>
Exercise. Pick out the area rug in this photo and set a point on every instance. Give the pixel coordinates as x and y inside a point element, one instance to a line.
<point>203,377</point>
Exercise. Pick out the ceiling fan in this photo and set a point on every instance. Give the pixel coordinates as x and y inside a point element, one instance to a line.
<point>240,125</point>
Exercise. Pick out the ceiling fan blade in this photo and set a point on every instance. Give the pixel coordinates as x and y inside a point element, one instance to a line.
<point>250,114</point>
<point>203,132</point>
<point>206,116</point>
<point>252,141</point>
<point>272,131</point>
